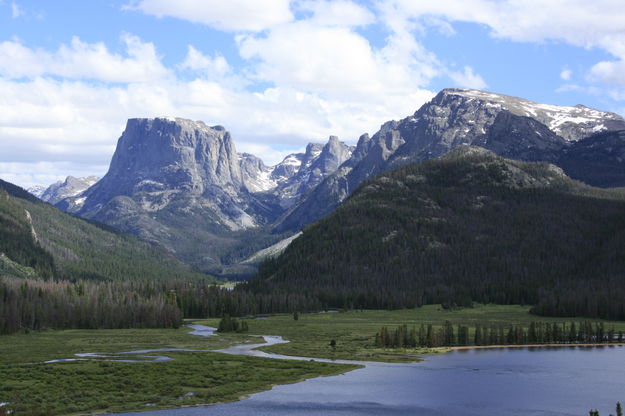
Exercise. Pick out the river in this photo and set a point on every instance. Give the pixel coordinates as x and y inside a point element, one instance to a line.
<point>492,382</point>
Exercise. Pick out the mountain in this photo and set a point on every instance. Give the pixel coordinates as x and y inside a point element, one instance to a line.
<point>71,187</point>
<point>181,184</point>
<point>469,226</point>
<point>38,240</point>
<point>509,126</point>
<point>37,190</point>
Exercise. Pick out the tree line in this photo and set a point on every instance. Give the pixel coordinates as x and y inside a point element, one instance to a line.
<point>31,304</point>
<point>427,336</point>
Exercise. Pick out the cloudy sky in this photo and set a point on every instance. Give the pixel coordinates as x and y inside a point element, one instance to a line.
<point>278,73</point>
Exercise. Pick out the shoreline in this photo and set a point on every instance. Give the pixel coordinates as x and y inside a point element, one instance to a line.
<point>488,347</point>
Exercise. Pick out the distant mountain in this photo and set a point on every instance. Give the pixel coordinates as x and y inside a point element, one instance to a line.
<point>37,190</point>
<point>469,226</point>
<point>68,188</point>
<point>39,241</point>
<point>509,126</point>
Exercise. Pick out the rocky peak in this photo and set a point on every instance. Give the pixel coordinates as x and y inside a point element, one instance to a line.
<point>165,154</point>
<point>70,187</point>
<point>331,156</point>
<point>570,123</point>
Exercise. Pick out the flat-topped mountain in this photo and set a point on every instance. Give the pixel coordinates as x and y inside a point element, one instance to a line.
<point>182,184</point>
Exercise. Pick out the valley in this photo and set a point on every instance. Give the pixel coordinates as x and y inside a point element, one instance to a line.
<point>480,221</point>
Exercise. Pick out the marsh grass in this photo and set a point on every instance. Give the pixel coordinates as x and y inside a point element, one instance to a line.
<point>80,387</point>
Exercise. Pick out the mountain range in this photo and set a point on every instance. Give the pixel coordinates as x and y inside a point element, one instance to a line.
<point>181,183</point>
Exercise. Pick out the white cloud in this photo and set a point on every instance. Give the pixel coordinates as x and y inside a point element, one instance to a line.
<point>610,72</point>
<point>229,15</point>
<point>596,24</point>
<point>566,74</point>
<point>196,61</point>
<point>467,78</point>
<point>16,10</point>
<point>337,12</point>
<point>81,60</point>
<point>337,62</point>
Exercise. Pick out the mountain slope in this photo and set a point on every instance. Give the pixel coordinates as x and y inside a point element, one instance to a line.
<point>598,160</point>
<point>470,226</point>
<point>509,126</point>
<point>51,243</point>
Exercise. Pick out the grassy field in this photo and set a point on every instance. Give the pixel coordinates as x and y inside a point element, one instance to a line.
<point>80,387</point>
<point>354,331</point>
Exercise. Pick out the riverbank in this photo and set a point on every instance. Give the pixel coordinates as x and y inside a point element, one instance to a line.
<point>353,332</point>
<point>489,347</point>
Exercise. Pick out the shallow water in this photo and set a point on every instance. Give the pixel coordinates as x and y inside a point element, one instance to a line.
<point>495,382</point>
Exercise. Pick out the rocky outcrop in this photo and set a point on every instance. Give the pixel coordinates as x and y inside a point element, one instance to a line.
<point>316,164</point>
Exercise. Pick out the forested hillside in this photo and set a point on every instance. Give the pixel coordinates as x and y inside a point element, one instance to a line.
<point>38,240</point>
<point>470,226</point>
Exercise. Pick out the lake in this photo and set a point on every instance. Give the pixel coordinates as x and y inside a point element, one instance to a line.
<point>494,382</point>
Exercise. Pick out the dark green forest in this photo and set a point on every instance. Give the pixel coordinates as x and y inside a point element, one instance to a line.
<point>468,227</point>
<point>57,245</point>
<point>584,332</point>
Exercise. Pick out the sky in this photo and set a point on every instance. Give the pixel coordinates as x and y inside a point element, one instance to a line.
<point>279,74</point>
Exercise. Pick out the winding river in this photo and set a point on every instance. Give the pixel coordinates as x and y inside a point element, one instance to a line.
<point>492,382</point>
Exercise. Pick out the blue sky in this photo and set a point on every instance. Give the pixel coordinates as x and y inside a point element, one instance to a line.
<point>278,73</point>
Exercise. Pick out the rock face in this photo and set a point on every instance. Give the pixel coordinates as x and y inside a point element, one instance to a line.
<point>65,189</point>
<point>317,163</point>
<point>178,183</point>
<point>509,126</point>
<point>159,158</point>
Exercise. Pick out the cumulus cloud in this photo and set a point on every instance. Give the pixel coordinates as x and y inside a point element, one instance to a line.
<point>467,78</point>
<point>566,74</point>
<point>83,60</point>
<point>610,72</point>
<point>596,24</point>
<point>230,15</point>
<point>337,12</point>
